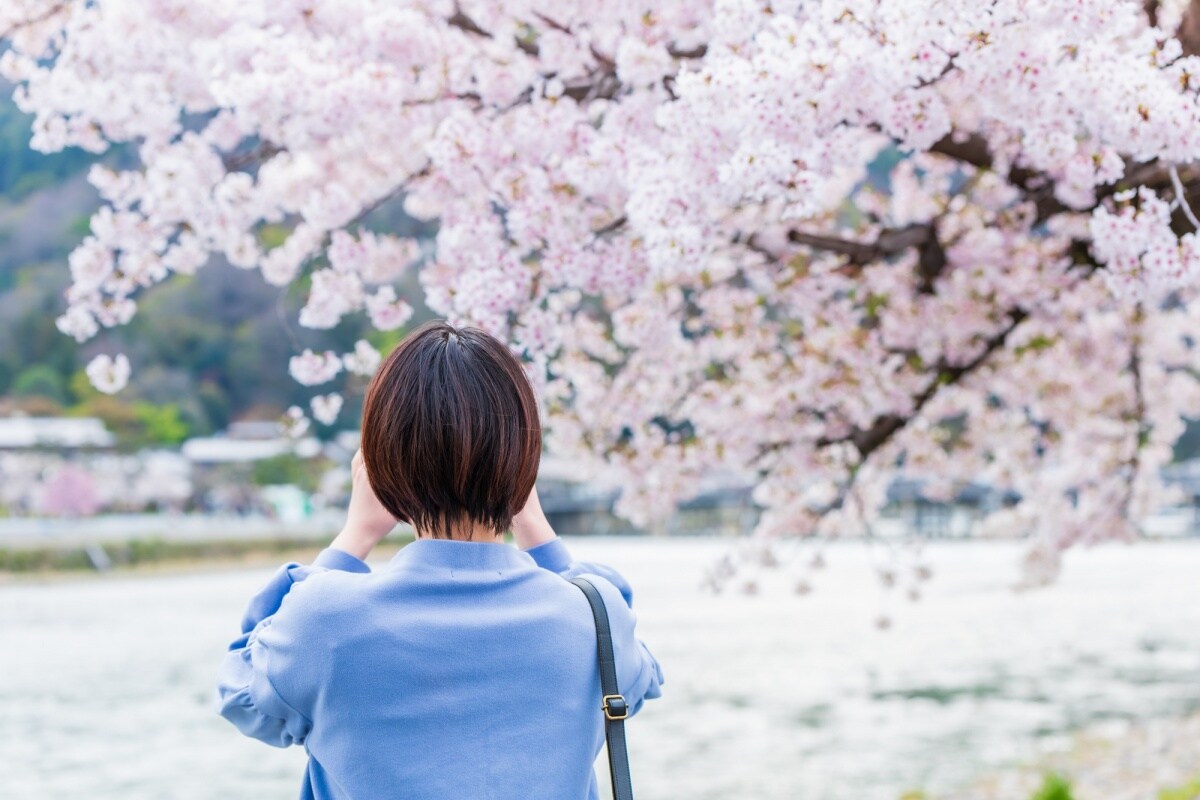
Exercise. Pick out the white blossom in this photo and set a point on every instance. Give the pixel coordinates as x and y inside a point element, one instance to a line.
<point>326,407</point>
<point>108,374</point>
<point>311,368</point>
<point>364,359</point>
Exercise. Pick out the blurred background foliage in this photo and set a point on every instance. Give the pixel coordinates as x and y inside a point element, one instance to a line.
<point>207,349</point>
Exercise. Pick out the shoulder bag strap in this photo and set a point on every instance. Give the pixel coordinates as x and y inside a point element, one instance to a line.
<point>613,704</point>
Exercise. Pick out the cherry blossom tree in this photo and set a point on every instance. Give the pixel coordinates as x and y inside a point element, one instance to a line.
<point>820,243</point>
<point>70,492</point>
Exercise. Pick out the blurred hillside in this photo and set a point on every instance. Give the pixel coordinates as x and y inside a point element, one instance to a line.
<point>207,350</point>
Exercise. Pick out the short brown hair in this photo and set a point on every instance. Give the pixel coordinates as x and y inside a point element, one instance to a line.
<point>450,431</point>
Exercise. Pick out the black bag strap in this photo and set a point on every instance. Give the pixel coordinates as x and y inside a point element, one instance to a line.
<point>613,703</point>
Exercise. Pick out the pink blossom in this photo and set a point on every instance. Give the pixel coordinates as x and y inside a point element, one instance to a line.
<point>78,322</point>
<point>295,424</point>
<point>790,243</point>
<point>326,407</point>
<point>70,492</point>
<point>364,360</point>
<point>311,369</point>
<point>333,295</point>
<point>386,311</point>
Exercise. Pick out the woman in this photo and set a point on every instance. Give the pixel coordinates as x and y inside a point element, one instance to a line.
<point>465,667</point>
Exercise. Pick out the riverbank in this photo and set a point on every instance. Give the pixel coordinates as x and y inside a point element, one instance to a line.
<point>1156,759</point>
<point>159,555</point>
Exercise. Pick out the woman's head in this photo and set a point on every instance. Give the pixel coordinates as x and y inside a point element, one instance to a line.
<point>450,432</point>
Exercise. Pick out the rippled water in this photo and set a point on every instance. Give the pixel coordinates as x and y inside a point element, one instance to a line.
<point>106,684</point>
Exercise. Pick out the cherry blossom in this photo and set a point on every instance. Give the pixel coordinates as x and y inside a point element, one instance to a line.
<point>363,360</point>
<point>813,245</point>
<point>294,423</point>
<point>326,407</point>
<point>386,312</point>
<point>81,484</point>
<point>108,374</point>
<point>312,369</point>
<point>69,492</point>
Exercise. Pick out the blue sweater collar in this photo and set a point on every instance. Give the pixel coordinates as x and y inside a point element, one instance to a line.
<point>456,554</point>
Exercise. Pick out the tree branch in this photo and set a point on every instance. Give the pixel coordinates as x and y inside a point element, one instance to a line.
<point>464,23</point>
<point>461,21</point>
<point>868,440</point>
<point>931,261</point>
<point>1181,198</point>
<point>1189,29</point>
<point>887,243</point>
<point>45,15</point>
<point>1141,428</point>
<point>699,51</point>
<point>1039,188</point>
<point>611,227</point>
<point>264,151</point>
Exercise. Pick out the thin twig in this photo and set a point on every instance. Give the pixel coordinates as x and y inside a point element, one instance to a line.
<point>1181,197</point>
<point>1141,427</point>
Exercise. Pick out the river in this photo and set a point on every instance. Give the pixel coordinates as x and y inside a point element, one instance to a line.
<point>106,683</point>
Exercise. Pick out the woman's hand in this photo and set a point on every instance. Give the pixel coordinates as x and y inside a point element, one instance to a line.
<point>367,521</point>
<point>530,526</point>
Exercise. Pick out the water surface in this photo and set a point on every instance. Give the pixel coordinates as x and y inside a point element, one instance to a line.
<point>106,684</point>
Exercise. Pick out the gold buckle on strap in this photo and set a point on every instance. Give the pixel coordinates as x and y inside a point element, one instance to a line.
<point>615,707</point>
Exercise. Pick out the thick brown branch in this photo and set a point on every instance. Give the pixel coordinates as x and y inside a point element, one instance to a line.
<point>1189,29</point>
<point>1039,188</point>
<point>463,22</point>
<point>887,243</point>
<point>868,440</point>
<point>931,261</point>
<point>603,86</point>
<point>611,227</point>
<point>265,151</point>
<point>699,51</point>
<point>974,150</point>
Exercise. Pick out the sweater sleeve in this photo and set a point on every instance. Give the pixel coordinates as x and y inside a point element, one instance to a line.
<point>246,692</point>
<point>639,675</point>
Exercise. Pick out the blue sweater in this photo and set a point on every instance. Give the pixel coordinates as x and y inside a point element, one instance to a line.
<point>460,671</point>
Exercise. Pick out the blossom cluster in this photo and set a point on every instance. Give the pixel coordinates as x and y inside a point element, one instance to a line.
<point>812,243</point>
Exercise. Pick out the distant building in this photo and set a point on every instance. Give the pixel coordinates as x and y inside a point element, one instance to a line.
<point>58,433</point>
<point>254,429</point>
<point>228,450</point>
